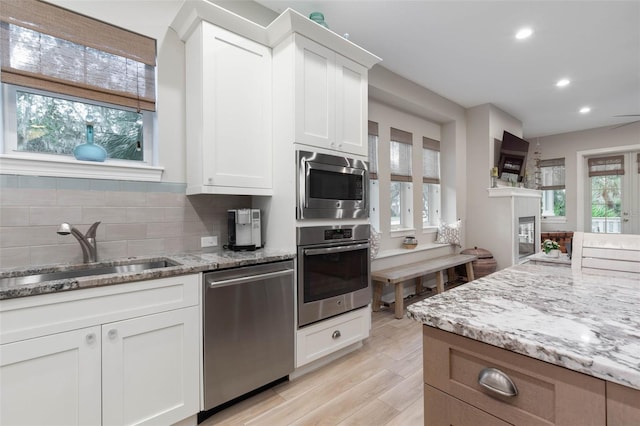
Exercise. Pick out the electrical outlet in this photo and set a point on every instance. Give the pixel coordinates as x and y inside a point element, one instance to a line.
<point>209,241</point>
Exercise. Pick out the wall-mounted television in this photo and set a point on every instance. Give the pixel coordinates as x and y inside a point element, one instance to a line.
<point>513,157</point>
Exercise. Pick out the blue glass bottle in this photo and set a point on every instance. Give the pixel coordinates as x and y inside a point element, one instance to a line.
<point>89,151</point>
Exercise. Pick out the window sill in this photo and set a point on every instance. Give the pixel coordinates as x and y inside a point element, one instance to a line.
<point>553,219</point>
<point>63,167</point>
<point>403,232</point>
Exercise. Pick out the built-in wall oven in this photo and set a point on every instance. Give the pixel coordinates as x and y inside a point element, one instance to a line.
<point>331,187</point>
<point>333,271</point>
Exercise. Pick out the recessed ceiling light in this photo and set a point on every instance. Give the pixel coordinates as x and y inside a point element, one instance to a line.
<point>563,82</point>
<point>585,110</point>
<point>524,33</point>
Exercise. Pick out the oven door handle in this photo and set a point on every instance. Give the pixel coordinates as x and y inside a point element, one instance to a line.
<point>337,249</point>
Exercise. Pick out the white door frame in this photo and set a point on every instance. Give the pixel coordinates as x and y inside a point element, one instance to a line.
<point>582,204</point>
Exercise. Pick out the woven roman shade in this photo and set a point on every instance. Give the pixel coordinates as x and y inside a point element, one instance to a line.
<point>553,174</point>
<point>50,48</point>
<point>400,155</point>
<point>606,166</point>
<point>430,160</point>
<point>373,150</point>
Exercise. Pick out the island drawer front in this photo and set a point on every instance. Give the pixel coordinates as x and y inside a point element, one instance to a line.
<point>547,394</point>
<point>444,410</point>
<point>27,317</point>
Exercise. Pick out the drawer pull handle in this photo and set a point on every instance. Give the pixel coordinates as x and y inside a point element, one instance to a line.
<point>113,333</point>
<point>336,334</point>
<point>497,382</point>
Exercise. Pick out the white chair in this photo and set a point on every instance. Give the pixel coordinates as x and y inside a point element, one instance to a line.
<point>606,252</point>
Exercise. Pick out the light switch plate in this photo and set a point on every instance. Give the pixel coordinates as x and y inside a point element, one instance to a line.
<point>209,241</point>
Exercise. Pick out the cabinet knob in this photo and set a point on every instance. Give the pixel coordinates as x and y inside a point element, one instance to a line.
<point>497,382</point>
<point>91,337</point>
<point>112,334</point>
<point>336,334</point>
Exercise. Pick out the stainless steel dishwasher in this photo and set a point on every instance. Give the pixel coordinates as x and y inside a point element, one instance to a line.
<point>248,329</point>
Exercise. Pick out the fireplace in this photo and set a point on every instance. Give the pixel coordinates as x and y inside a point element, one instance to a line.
<point>526,236</point>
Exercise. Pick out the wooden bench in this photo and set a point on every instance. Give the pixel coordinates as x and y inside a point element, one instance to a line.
<point>398,274</point>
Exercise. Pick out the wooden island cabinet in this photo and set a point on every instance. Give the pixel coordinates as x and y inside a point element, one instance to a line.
<point>546,394</point>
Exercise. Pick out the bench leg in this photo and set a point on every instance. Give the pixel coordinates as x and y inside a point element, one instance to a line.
<point>377,296</point>
<point>418,285</point>
<point>451,275</point>
<point>439,282</point>
<point>399,301</point>
<point>470,276</point>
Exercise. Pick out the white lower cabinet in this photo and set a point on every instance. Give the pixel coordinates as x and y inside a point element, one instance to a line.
<point>52,380</point>
<point>150,369</point>
<point>130,363</point>
<point>321,339</point>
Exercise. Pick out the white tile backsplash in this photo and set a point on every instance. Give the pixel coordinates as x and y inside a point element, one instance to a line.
<point>139,219</point>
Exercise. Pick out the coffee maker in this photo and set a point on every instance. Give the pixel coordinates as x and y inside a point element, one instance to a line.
<point>244,229</point>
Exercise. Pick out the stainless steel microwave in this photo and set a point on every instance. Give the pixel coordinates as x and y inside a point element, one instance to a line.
<point>331,187</point>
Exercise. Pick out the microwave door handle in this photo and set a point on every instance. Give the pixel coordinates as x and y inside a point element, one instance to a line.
<point>338,249</point>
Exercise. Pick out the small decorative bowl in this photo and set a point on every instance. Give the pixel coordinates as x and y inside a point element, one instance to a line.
<point>409,245</point>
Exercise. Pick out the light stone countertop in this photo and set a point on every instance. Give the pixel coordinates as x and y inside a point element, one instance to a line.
<point>584,322</point>
<point>188,263</point>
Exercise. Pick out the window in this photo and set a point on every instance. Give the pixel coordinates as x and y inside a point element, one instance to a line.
<point>605,175</point>
<point>62,71</point>
<point>374,185</point>
<point>400,146</point>
<point>430,182</point>
<point>553,188</point>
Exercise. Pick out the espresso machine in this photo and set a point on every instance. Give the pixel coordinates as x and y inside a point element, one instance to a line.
<point>244,229</point>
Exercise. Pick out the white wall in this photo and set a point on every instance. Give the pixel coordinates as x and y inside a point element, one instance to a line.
<point>566,146</point>
<point>403,95</point>
<point>485,123</point>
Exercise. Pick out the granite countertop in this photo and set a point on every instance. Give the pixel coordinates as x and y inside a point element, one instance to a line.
<point>584,322</point>
<point>186,263</point>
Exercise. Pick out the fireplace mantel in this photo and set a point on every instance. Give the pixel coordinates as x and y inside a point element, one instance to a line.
<point>511,191</point>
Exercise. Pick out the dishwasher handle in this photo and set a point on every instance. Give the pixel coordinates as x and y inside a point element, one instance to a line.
<point>212,283</point>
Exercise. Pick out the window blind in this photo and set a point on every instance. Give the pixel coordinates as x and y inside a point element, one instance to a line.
<point>430,160</point>
<point>606,166</point>
<point>400,155</point>
<point>373,150</point>
<point>553,174</point>
<point>50,48</point>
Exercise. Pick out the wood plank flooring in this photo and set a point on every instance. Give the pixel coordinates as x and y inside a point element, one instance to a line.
<point>378,384</point>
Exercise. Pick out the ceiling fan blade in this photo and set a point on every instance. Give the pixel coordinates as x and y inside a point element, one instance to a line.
<point>627,115</point>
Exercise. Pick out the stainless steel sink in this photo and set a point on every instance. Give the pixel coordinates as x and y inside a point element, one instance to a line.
<point>88,270</point>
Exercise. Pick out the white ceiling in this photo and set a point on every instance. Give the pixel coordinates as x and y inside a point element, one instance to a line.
<point>466,51</point>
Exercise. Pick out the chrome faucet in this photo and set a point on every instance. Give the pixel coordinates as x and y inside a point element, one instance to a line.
<point>87,242</point>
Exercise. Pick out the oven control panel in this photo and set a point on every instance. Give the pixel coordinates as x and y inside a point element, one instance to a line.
<point>338,234</point>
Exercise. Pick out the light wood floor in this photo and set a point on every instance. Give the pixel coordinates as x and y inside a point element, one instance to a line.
<point>379,384</point>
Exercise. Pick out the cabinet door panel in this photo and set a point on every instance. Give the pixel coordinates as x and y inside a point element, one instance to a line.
<point>315,94</point>
<point>351,106</point>
<point>441,409</point>
<point>150,368</point>
<point>236,110</point>
<point>52,380</point>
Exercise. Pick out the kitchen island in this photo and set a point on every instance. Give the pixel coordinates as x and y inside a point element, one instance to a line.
<point>561,321</point>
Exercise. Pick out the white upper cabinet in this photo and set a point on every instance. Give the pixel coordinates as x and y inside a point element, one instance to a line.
<point>330,99</point>
<point>228,113</point>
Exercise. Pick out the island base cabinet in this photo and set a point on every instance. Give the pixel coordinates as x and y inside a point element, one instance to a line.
<point>546,394</point>
<point>149,371</point>
<point>52,380</point>
<point>623,405</point>
<point>441,409</point>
